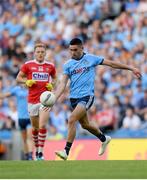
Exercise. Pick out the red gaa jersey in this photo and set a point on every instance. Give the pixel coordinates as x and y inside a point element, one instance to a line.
<point>41,73</point>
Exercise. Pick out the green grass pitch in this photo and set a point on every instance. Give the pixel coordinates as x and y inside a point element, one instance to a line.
<point>73,169</point>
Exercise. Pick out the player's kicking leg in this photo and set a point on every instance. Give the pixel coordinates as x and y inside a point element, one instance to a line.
<point>80,114</point>
<point>77,114</point>
<point>92,129</point>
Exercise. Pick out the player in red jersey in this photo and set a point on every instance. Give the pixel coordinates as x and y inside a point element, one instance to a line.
<point>38,75</point>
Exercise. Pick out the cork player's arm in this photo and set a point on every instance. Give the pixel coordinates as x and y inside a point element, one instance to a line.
<point>21,78</point>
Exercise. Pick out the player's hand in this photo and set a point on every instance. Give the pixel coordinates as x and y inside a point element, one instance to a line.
<point>45,108</point>
<point>30,82</point>
<point>137,73</point>
<point>49,86</point>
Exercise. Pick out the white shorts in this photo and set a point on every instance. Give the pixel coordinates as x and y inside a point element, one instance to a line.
<point>33,109</point>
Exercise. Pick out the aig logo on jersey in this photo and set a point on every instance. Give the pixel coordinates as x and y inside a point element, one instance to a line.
<point>40,76</point>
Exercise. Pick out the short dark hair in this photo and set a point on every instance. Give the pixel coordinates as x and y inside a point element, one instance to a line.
<point>76,41</point>
<point>131,107</point>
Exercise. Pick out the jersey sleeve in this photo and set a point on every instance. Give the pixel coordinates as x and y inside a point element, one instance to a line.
<point>24,68</point>
<point>97,60</point>
<point>65,69</point>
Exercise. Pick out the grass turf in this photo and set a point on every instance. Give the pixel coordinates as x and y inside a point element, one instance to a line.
<point>73,169</point>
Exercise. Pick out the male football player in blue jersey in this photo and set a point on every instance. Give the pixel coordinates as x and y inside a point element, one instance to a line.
<point>80,69</point>
<point>24,123</point>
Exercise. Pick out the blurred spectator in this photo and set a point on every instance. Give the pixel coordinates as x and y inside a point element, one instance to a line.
<point>144,76</point>
<point>142,6</point>
<point>105,119</point>
<point>12,113</point>
<point>144,124</point>
<point>6,122</point>
<point>131,120</point>
<point>131,5</point>
<point>142,105</point>
<point>137,94</point>
<point>118,110</point>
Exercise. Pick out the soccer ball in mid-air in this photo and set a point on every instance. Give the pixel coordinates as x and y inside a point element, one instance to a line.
<point>47,98</point>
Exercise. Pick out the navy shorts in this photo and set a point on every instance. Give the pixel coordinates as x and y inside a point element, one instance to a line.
<point>87,101</point>
<point>24,123</point>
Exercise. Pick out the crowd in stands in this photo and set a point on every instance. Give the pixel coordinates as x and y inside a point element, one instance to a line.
<point>114,29</point>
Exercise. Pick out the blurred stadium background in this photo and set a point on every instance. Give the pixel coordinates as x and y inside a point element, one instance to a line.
<point>116,29</point>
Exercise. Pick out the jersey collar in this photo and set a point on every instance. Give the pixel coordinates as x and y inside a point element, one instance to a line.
<point>38,62</point>
<point>80,57</point>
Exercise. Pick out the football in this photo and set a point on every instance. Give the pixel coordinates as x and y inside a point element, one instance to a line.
<point>47,98</point>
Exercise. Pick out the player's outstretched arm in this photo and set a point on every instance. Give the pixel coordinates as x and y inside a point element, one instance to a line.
<point>118,65</point>
<point>61,87</point>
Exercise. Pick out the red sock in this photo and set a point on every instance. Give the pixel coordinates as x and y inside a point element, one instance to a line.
<point>35,138</point>
<point>41,138</point>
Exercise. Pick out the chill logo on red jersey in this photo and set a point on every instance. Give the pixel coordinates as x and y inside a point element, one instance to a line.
<point>40,76</point>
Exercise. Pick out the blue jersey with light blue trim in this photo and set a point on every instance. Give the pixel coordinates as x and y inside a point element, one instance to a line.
<point>21,97</point>
<point>82,74</point>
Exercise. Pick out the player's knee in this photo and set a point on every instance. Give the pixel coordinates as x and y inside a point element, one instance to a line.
<point>71,121</point>
<point>84,125</point>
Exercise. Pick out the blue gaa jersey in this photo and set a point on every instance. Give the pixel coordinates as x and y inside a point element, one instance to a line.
<point>82,74</point>
<point>21,97</point>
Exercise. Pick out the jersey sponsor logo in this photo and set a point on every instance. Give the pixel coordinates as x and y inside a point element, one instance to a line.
<point>40,76</point>
<point>80,70</point>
